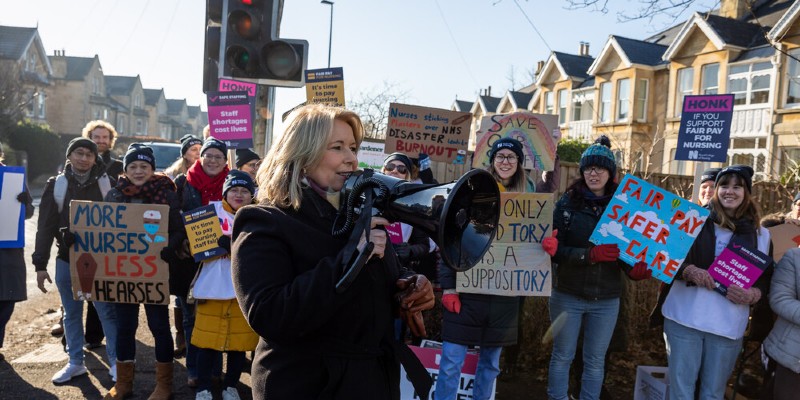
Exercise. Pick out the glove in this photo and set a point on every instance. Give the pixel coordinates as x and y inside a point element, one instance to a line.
<point>640,271</point>
<point>604,252</point>
<point>424,161</point>
<point>415,322</point>
<point>403,251</point>
<point>698,276</point>
<point>22,197</point>
<point>550,244</point>
<point>225,243</point>
<point>416,293</point>
<point>67,237</point>
<point>738,295</point>
<point>452,302</point>
<point>168,255</point>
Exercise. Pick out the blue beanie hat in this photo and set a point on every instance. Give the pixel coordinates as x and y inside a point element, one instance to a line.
<point>139,152</point>
<point>599,155</point>
<point>187,141</point>
<point>238,178</point>
<point>510,144</point>
<point>214,143</point>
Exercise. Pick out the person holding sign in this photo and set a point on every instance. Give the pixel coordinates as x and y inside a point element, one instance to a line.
<point>782,345</point>
<point>286,263</point>
<point>83,178</point>
<point>488,321</point>
<point>220,325</point>
<point>140,184</point>
<point>704,330</point>
<point>586,286</point>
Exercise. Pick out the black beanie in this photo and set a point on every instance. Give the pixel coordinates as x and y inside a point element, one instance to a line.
<point>187,141</point>
<point>244,156</point>
<point>81,142</point>
<point>238,178</point>
<point>599,155</point>
<point>709,175</point>
<point>510,144</point>
<point>399,157</point>
<point>744,172</point>
<point>214,143</point>
<point>139,152</point>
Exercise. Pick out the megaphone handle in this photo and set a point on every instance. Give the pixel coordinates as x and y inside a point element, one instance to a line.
<point>355,269</point>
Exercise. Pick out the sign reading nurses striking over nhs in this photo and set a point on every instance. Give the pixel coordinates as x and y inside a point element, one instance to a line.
<point>705,128</point>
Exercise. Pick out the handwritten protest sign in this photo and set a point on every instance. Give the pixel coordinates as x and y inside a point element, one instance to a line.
<point>325,86</point>
<point>430,354</point>
<point>441,134</point>
<point>515,264</point>
<point>651,225</point>
<point>534,131</point>
<point>117,252</point>
<point>737,265</point>
<point>784,237</point>
<point>230,119</point>
<point>705,129</point>
<point>12,230</point>
<point>371,155</point>
<point>203,231</point>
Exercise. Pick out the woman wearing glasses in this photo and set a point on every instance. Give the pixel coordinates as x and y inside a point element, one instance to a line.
<point>586,282</point>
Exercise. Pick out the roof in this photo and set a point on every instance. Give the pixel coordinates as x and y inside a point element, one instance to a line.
<point>722,32</point>
<point>489,103</point>
<point>631,52</point>
<point>574,66</point>
<point>461,105</point>
<point>175,106</point>
<point>122,85</point>
<point>151,96</point>
<point>757,53</point>
<point>520,99</point>
<point>585,84</point>
<point>77,67</point>
<point>194,111</point>
<point>15,41</point>
<point>782,25</point>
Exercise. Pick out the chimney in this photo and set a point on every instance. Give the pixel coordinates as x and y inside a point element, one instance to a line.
<point>489,91</point>
<point>539,67</point>
<point>584,49</point>
<point>735,9</point>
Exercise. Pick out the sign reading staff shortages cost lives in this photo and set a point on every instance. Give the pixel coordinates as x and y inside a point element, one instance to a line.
<point>705,129</point>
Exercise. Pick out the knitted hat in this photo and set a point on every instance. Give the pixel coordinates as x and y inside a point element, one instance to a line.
<point>244,156</point>
<point>139,152</point>
<point>238,178</point>
<point>744,172</point>
<point>599,155</point>
<point>709,175</point>
<point>81,142</point>
<point>399,157</point>
<point>510,144</point>
<point>187,141</point>
<point>214,143</point>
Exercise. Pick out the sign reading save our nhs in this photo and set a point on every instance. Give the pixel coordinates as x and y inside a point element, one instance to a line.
<point>705,129</point>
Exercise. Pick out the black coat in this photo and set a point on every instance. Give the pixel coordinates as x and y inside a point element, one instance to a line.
<point>315,343</point>
<point>113,167</point>
<point>182,272</point>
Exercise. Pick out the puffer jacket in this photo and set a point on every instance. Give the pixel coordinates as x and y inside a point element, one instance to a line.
<point>573,271</point>
<point>783,342</point>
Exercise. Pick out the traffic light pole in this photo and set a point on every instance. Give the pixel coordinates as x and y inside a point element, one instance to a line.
<point>264,120</point>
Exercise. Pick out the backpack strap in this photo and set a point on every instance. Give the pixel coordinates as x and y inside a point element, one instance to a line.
<point>104,182</point>
<point>60,191</point>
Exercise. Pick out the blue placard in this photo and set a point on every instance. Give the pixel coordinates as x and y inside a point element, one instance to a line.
<point>650,224</point>
<point>12,183</point>
<point>705,130</point>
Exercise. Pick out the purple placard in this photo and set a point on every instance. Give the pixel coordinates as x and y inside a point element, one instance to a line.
<point>229,118</point>
<point>737,265</point>
<point>713,103</point>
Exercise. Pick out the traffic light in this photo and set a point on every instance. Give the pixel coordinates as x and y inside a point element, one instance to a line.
<point>252,51</point>
<point>211,48</point>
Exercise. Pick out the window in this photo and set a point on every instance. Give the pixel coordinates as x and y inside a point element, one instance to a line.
<point>793,79</point>
<point>749,83</point>
<point>605,102</point>
<point>548,103</point>
<point>139,126</point>
<point>121,124</point>
<point>562,106</point>
<point>676,167</point>
<point>137,101</point>
<point>642,90</point>
<point>685,83</point>
<point>41,105</point>
<point>710,80</point>
<point>623,99</point>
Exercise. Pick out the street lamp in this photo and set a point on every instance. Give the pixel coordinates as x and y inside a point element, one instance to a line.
<point>330,34</point>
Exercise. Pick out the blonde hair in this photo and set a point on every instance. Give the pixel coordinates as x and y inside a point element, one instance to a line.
<point>98,123</point>
<point>748,208</point>
<point>180,166</point>
<point>301,147</point>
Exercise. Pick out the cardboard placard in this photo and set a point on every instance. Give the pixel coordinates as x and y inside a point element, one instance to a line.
<point>534,131</point>
<point>430,354</point>
<point>784,237</point>
<point>650,224</point>
<point>230,119</point>
<point>117,252</point>
<point>12,230</point>
<point>515,264</point>
<point>705,130</point>
<point>203,231</point>
<point>652,383</point>
<point>325,86</point>
<point>371,155</point>
<point>737,265</point>
<point>441,134</point>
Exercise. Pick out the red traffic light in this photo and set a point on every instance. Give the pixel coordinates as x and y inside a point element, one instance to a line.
<point>244,24</point>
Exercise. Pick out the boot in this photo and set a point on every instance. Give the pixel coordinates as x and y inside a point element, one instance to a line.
<point>124,386</point>
<point>180,338</point>
<point>163,389</point>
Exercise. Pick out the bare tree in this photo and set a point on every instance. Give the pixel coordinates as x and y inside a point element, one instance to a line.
<point>373,107</point>
<point>648,9</point>
<point>14,98</point>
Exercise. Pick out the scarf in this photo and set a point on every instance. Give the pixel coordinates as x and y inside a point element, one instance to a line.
<point>744,233</point>
<point>331,197</point>
<point>210,188</point>
<point>154,191</point>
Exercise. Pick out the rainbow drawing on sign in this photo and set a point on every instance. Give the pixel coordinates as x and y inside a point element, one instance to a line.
<point>530,129</point>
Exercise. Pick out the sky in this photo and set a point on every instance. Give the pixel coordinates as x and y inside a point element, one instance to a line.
<point>435,51</point>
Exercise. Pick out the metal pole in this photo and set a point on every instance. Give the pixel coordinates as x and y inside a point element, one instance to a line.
<point>330,33</point>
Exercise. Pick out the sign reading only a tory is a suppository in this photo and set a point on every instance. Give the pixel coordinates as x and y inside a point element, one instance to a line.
<point>441,134</point>
<point>117,252</point>
<point>650,224</point>
<point>705,128</point>
<point>515,264</point>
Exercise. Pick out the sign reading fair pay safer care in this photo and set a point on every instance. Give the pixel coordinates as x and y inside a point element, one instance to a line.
<point>229,118</point>
<point>705,129</point>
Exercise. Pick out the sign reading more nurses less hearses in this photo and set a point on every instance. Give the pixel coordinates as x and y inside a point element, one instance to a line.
<point>650,224</point>
<point>705,129</point>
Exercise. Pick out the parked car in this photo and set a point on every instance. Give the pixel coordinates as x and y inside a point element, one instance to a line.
<point>166,154</point>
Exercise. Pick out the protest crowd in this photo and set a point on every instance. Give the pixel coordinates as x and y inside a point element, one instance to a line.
<point>263,292</point>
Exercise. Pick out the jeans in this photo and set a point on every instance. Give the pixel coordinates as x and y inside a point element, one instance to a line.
<point>693,354</point>
<point>598,318</point>
<point>157,321</point>
<point>6,309</point>
<point>207,361</point>
<point>73,318</point>
<point>448,381</point>
<point>188,326</point>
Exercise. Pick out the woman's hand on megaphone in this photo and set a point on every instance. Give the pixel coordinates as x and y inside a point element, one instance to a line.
<point>376,236</point>
<point>416,293</point>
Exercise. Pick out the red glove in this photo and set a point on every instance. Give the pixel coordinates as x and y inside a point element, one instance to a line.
<point>451,303</point>
<point>640,271</point>
<point>604,252</point>
<point>550,244</point>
